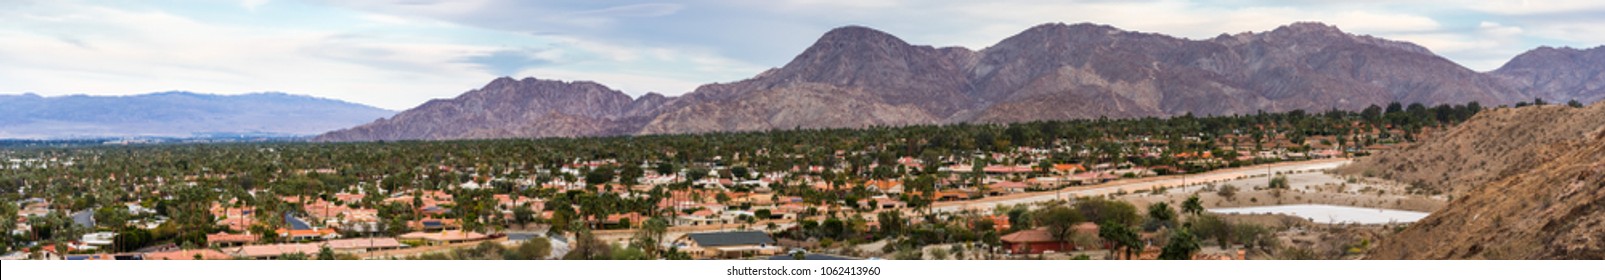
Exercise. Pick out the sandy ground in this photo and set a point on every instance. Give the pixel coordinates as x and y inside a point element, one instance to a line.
<point>1308,187</point>
<point>1143,184</point>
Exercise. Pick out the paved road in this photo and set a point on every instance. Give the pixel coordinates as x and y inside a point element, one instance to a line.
<point>1133,185</point>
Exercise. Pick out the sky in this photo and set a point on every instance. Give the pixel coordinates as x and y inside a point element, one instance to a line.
<point>396,54</point>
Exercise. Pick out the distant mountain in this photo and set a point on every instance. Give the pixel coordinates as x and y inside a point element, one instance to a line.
<point>514,108</point>
<point>858,77</point>
<point>1513,197</point>
<point>176,114</point>
<point>1558,74</point>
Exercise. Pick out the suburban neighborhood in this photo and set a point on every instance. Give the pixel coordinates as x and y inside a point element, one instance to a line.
<point>991,201</point>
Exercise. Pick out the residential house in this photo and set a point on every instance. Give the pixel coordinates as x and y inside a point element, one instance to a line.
<point>1006,187</point>
<point>224,239</point>
<point>1040,240</point>
<point>733,244</point>
<point>885,186</point>
<point>197,254</point>
<point>275,251</point>
<point>443,237</point>
<point>307,234</point>
<point>1032,241</point>
<point>362,245</point>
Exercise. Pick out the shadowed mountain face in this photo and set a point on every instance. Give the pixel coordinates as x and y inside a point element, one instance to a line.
<point>858,77</point>
<point>1558,75</point>
<point>176,114</point>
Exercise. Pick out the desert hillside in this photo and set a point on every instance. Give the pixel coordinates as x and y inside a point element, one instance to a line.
<point>1540,195</point>
<point>1494,145</point>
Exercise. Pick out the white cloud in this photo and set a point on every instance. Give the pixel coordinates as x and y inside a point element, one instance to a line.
<point>128,52</point>
<point>839,4</point>
<point>1531,7</point>
<point>253,4</point>
<point>398,53</point>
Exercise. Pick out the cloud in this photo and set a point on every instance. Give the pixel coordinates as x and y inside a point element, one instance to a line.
<point>251,5</point>
<point>399,53</point>
<point>67,48</point>
<point>1531,7</point>
<point>510,62</point>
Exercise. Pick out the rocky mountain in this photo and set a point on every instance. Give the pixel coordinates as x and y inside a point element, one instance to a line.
<point>858,77</point>
<point>1549,204</point>
<point>176,114</point>
<point>514,108</point>
<point>1558,74</point>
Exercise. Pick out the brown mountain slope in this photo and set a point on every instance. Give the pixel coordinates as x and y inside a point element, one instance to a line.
<point>1491,146</point>
<point>514,108</point>
<point>1060,71</point>
<point>1558,74</point>
<point>803,105</point>
<point>856,76</point>
<point>1550,208</point>
<point>1307,66</point>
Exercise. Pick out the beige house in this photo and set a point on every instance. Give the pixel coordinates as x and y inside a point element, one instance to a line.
<point>729,245</point>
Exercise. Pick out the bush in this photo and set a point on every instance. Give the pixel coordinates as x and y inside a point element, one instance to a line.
<point>1228,191</point>
<point>908,254</point>
<point>939,254</point>
<point>534,249</point>
<point>1279,182</point>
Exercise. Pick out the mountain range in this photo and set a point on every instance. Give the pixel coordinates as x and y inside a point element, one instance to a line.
<point>860,77</point>
<point>176,114</point>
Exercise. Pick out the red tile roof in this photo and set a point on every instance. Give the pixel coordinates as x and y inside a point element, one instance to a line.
<point>1029,236</point>
<point>230,238</point>
<point>205,254</point>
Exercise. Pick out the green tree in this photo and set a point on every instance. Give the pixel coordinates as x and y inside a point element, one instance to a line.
<point>650,237</point>
<point>696,174</point>
<point>325,253</point>
<point>1213,227</point>
<point>1182,246</point>
<point>1193,206</point>
<point>523,215</point>
<point>630,174</point>
<point>1122,236</point>
<point>588,247</point>
<point>600,175</point>
<point>111,217</point>
<point>1102,211</point>
<point>1161,214</point>
<point>665,168</point>
<point>1060,221</point>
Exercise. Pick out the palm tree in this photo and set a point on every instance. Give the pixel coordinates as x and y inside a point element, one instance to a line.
<point>1192,206</point>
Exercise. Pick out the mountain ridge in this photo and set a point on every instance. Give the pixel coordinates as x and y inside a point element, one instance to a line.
<point>856,76</point>
<point>175,114</point>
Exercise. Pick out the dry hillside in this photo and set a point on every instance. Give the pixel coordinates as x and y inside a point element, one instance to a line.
<point>1546,205</point>
<point>1494,145</point>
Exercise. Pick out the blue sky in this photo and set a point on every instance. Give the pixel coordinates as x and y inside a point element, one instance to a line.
<point>397,54</point>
